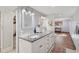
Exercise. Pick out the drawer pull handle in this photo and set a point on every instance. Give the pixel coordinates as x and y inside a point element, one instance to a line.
<point>41,46</point>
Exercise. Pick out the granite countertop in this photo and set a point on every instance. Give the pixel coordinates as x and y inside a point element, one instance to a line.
<point>28,38</point>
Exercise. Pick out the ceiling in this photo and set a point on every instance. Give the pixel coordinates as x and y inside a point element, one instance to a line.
<point>8,8</point>
<point>44,9</point>
<point>48,10</point>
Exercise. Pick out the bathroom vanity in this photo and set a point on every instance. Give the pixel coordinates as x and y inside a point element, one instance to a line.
<point>28,41</point>
<point>37,43</point>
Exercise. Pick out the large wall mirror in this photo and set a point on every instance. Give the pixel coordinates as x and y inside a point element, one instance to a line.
<point>30,19</point>
<point>26,19</point>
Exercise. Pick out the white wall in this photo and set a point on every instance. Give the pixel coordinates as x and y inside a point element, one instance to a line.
<point>76,15</point>
<point>65,26</point>
<point>72,27</point>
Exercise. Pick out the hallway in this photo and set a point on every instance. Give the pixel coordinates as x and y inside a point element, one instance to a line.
<point>68,43</point>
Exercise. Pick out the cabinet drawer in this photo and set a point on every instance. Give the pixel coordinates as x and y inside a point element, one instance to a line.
<point>39,46</point>
<point>24,46</point>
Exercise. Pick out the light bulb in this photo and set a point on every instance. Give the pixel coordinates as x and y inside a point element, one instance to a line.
<point>29,12</point>
<point>32,13</point>
<point>23,10</point>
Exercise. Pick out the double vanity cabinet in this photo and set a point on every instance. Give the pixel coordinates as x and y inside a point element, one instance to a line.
<point>28,21</point>
<point>43,44</point>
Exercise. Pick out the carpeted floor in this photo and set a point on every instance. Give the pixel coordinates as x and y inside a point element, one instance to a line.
<point>68,43</point>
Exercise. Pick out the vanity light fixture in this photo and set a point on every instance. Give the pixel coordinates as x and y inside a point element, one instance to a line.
<point>24,11</point>
<point>29,12</point>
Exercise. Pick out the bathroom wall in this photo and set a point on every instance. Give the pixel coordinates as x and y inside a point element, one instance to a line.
<point>76,15</point>
<point>58,15</point>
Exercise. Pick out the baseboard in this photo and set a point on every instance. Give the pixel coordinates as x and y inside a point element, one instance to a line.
<point>6,50</point>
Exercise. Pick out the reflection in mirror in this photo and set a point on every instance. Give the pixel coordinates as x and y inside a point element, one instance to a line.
<point>26,19</point>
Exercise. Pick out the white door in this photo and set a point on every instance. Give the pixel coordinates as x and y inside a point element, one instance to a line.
<point>72,27</point>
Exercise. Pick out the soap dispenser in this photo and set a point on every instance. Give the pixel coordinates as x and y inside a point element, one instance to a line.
<point>35,30</point>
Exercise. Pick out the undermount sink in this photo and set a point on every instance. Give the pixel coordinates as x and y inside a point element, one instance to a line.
<point>30,36</point>
<point>34,36</point>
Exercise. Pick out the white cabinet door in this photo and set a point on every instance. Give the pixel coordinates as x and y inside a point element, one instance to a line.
<point>48,43</point>
<point>51,39</point>
<point>39,46</point>
<point>42,45</point>
<point>24,46</point>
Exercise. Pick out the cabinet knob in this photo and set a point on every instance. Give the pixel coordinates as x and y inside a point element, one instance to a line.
<point>41,46</point>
